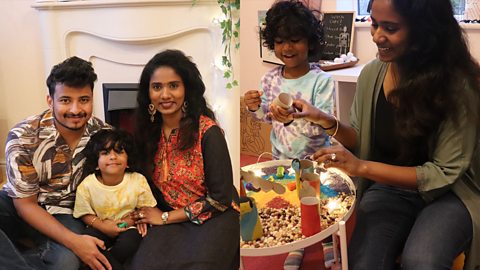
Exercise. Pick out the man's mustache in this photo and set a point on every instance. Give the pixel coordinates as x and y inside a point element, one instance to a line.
<point>78,115</point>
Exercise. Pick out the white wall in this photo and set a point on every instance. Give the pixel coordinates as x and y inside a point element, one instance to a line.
<point>22,73</point>
<point>252,67</point>
<point>22,76</point>
<point>23,69</point>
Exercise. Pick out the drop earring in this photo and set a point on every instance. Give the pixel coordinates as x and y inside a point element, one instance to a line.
<point>152,111</point>
<point>185,107</point>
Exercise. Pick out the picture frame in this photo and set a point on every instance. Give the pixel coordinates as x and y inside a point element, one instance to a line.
<point>338,27</point>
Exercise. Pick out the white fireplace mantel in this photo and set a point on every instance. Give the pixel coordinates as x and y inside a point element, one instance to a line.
<point>120,36</point>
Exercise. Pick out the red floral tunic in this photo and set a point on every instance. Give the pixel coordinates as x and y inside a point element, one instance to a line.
<point>180,176</point>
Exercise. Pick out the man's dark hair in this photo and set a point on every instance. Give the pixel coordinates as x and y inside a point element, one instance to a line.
<point>73,72</point>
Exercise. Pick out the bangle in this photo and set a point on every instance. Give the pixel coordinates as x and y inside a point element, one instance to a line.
<point>93,221</point>
<point>334,125</point>
<point>337,124</point>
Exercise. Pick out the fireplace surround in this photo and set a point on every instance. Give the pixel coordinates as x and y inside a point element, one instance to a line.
<point>120,36</point>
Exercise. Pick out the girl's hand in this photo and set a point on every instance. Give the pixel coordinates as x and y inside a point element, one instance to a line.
<point>252,99</point>
<point>110,228</point>
<point>280,114</point>
<point>142,229</point>
<point>339,157</point>
<point>150,215</point>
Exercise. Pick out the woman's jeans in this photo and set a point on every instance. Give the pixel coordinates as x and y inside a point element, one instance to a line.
<point>392,222</point>
<point>47,254</point>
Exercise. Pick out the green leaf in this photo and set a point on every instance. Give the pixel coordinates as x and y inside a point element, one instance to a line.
<point>235,83</point>
<point>226,74</point>
<point>229,86</point>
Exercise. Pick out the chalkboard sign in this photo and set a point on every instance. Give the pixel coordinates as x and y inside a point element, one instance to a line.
<point>338,33</point>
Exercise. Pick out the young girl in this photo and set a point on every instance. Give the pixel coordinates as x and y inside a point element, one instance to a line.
<point>111,192</point>
<point>294,33</point>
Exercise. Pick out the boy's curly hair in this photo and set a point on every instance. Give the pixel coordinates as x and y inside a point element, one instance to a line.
<point>291,18</point>
<point>108,139</point>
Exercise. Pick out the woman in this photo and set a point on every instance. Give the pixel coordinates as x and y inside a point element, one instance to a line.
<point>414,130</point>
<point>186,158</point>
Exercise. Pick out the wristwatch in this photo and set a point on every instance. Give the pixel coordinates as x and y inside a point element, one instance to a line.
<point>164,218</point>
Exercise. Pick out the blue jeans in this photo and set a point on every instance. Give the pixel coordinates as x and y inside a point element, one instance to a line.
<point>47,254</point>
<point>392,222</point>
<point>10,258</point>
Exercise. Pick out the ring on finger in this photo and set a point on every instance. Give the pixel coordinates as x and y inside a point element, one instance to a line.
<point>333,157</point>
<point>141,215</point>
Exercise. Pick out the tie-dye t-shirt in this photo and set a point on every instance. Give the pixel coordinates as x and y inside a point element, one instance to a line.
<point>112,202</point>
<point>40,162</point>
<point>301,138</point>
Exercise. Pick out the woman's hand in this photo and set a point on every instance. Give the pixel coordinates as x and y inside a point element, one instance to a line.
<point>252,99</point>
<point>339,157</point>
<point>148,215</point>
<point>311,113</point>
<point>142,229</point>
<point>280,114</point>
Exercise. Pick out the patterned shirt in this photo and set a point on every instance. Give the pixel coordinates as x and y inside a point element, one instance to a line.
<point>301,138</point>
<point>181,177</point>
<point>112,202</point>
<point>40,162</point>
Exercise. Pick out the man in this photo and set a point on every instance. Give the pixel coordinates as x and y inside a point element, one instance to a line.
<point>44,167</point>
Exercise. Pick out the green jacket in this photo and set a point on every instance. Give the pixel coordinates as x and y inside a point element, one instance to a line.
<point>454,154</point>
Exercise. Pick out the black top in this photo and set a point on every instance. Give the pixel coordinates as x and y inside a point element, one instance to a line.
<point>386,143</point>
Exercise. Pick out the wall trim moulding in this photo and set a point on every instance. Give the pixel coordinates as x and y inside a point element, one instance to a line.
<point>130,41</point>
<point>80,4</point>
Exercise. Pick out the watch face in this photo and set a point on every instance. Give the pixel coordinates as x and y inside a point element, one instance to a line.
<point>165,216</point>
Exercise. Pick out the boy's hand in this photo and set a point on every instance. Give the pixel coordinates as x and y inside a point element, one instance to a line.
<point>110,228</point>
<point>252,99</point>
<point>280,114</point>
<point>128,217</point>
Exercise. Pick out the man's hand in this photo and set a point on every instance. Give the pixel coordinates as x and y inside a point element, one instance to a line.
<point>86,248</point>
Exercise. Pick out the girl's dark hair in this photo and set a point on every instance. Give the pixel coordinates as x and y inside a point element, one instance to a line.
<point>435,71</point>
<point>291,18</point>
<point>147,134</point>
<point>108,139</point>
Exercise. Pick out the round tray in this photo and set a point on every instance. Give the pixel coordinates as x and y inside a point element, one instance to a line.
<point>305,242</point>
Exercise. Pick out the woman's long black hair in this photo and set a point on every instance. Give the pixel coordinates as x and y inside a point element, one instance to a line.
<point>435,71</point>
<point>147,134</point>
